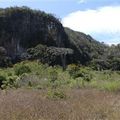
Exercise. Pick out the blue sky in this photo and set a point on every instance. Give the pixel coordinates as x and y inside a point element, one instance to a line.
<point>99,18</point>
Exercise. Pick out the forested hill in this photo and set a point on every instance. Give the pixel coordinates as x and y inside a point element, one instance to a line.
<point>86,48</point>
<point>34,34</point>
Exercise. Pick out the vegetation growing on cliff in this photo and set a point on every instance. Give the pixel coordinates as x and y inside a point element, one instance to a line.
<point>22,28</point>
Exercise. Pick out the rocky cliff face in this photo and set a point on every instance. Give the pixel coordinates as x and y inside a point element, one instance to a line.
<point>22,28</point>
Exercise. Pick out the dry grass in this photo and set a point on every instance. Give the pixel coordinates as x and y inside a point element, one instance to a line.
<point>81,104</point>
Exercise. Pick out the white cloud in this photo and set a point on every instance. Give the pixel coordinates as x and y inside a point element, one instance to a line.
<point>104,20</point>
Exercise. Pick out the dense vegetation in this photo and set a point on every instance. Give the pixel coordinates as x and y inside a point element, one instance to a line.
<point>42,76</point>
<point>85,47</point>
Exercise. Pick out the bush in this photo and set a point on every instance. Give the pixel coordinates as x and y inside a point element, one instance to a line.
<point>115,64</point>
<point>76,71</point>
<point>21,69</point>
<point>85,74</point>
<point>5,61</point>
<point>53,76</point>
<point>10,82</point>
<point>99,64</point>
<point>56,94</point>
<point>73,69</point>
<point>2,79</point>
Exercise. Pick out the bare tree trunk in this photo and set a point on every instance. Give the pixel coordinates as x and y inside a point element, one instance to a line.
<point>63,59</point>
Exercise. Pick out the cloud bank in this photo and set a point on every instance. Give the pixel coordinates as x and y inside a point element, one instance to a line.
<point>101,21</point>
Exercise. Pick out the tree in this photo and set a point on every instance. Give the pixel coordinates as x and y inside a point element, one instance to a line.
<point>50,55</point>
<point>4,59</point>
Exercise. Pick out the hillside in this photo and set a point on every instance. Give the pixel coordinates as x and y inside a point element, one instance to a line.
<point>85,47</point>
<point>22,28</point>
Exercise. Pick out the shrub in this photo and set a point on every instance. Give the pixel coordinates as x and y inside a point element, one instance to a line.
<point>5,61</point>
<point>99,64</point>
<point>73,69</point>
<point>85,74</point>
<point>56,94</point>
<point>10,82</point>
<point>2,79</point>
<point>77,71</point>
<point>21,69</point>
<point>115,64</point>
<point>53,76</point>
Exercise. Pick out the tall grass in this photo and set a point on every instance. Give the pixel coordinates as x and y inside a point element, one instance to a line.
<point>82,104</point>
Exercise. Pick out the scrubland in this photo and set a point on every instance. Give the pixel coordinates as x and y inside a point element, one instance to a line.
<point>33,91</point>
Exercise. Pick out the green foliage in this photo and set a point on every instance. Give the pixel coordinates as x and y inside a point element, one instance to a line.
<point>98,64</point>
<point>115,64</point>
<point>84,46</point>
<point>56,94</point>
<point>76,71</point>
<point>21,69</point>
<point>10,82</point>
<point>53,76</point>
<point>73,69</point>
<point>85,74</point>
<point>50,55</point>
<point>110,59</point>
<point>38,51</point>
<point>43,76</point>
<point>2,79</point>
<point>4,59</point>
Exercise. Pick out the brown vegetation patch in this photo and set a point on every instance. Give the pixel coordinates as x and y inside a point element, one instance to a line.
<point>81,104</point>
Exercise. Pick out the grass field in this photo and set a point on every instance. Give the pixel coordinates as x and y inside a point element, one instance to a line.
<point>33,91</point>
<point>81,104</point>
